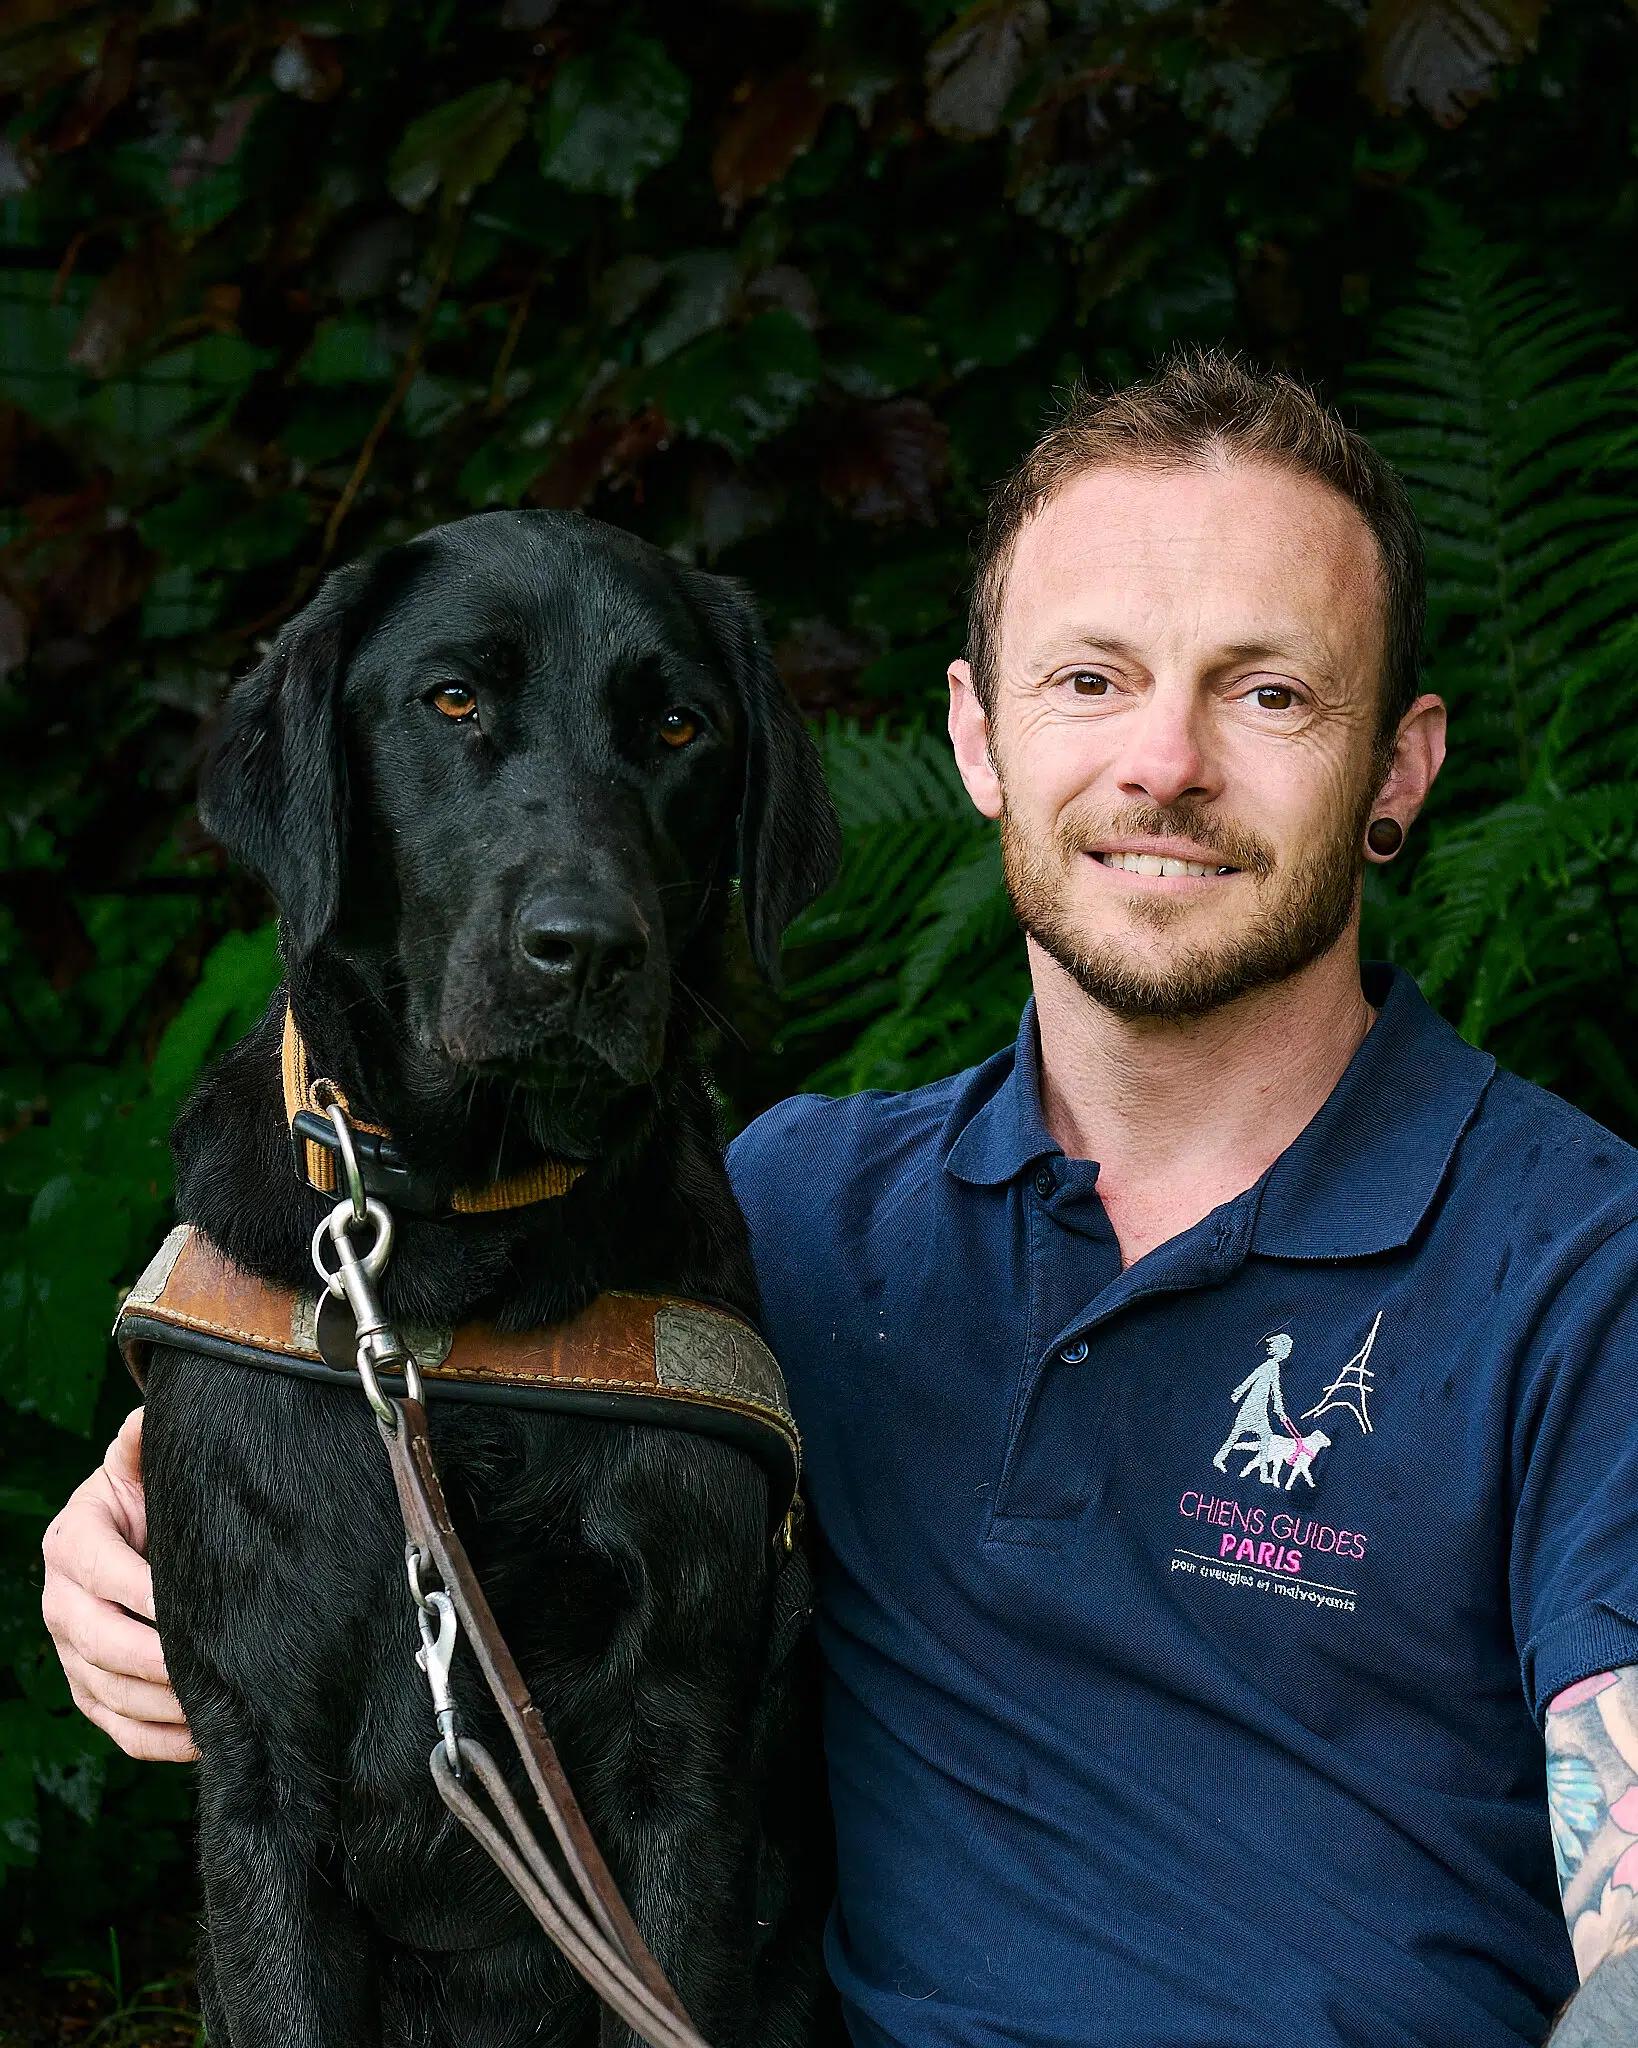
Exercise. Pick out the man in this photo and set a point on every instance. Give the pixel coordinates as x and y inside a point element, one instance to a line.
<point>1129,1743</point>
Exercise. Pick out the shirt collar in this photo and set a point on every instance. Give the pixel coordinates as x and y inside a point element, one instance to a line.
<point>1361,1176</point>
<point>1006,1134</point>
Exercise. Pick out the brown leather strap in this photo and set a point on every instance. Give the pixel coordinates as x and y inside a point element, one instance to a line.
<point>428,1525</point>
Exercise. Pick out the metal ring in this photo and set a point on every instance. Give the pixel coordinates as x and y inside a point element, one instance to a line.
<point>337,1225</point>
<point>414,1558</point>
<point>349,1157</point>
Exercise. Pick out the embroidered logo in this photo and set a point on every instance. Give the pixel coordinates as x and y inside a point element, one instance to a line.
<point>1274,1451</point>
<point>1273,1549</point>
<point>1281,1452</point>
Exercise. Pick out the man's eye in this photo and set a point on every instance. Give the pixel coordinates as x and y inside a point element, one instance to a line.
<point>454,700</point>
<point>678,726</point>
<point>1274,697</point>
<point>1086,682</point>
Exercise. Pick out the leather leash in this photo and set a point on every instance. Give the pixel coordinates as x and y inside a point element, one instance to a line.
<point>582,1912</point>
<point>585,1918</point>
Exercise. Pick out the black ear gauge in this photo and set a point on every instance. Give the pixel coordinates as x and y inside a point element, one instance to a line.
<point>1385,837</point>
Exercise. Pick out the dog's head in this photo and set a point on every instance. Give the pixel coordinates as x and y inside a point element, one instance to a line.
<point>514,765</point>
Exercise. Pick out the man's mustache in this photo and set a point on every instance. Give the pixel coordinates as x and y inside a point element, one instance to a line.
<point>1230,843</point>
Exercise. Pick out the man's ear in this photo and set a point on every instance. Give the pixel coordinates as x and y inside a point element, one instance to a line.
<point>789,842</point>
<point>274,789</point>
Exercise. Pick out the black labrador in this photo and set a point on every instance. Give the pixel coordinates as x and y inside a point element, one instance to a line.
<point>499,781</point>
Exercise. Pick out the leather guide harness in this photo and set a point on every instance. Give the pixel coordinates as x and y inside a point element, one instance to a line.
<point>651,1359</point>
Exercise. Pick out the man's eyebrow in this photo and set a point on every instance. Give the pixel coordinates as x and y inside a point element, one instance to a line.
<point>1299,649</point>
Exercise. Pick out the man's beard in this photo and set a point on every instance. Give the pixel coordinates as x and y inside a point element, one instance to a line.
<point>1284,936</point>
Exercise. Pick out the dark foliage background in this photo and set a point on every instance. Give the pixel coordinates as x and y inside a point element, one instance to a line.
<point>783,286</point>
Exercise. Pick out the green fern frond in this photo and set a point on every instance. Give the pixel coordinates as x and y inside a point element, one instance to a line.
<point>1514,421</point>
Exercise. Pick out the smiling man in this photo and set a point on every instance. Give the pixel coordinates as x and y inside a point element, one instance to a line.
<point>1218,1406</point>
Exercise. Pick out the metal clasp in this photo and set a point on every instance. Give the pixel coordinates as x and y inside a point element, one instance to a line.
<point>440,1630</point>
<point>435,1656</point>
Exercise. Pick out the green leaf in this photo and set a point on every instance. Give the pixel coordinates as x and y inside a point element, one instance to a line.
<point>328,424</point>
<point>35,372</point>
<point>58,1278</point>
<point>201,383</point>
<point>47,1746</point>
<point>459,146</point>
<point>432,403</point>
<point>744,385</point>
<point>210,525</point>
<point>178,603</point>
<point>705,289</point>
<point>238,978</point>
<point>877,354</point>
<point>348,351</point>
<point>612,116</point>
<point>986,314</point>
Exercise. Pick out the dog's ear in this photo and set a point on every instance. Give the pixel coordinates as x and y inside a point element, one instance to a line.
<point>789,842</point>
<point>274,788</point>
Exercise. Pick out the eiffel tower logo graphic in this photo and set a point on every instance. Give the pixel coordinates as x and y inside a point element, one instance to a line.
<point>1351,1389</point>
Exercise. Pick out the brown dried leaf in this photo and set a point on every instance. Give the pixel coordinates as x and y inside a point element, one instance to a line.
<point>96,580</point>
<point>974,66</point>
<point>128,305</point>
<point>1444,54</point>
<point>59,51</point>
<point>819,662</point>
<point>13,635</point>
<point>609,450</point>
<point>49,923</point>
<point>50,515</point>
<point>102,89</point>
<point>201,153</point>
<point>776,122</point>
<point>785,289</point>
<point>888,463</point>
<point>725,505</point>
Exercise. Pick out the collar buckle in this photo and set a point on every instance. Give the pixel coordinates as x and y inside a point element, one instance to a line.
<point>385,1172</point>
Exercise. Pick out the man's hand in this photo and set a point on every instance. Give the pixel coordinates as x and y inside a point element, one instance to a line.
<point>1592,1799</point>
<point>97,1583</point>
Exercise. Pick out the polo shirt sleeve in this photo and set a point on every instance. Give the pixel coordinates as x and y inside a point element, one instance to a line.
<point>1574,1564</point>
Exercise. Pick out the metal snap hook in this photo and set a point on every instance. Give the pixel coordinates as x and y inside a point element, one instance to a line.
<point>337,1227</point>
<point>439,1631</point>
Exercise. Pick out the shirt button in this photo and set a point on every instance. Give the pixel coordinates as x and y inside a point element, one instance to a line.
<point>1046,1183</point>
<point>1075,1354</point>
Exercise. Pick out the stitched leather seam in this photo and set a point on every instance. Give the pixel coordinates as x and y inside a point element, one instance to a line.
<point>159,1312</point>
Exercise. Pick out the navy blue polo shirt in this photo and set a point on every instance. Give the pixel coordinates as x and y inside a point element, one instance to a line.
<point>1188,1629</point>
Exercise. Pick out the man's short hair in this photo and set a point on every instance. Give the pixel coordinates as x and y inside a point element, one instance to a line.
<point>1198,408</point>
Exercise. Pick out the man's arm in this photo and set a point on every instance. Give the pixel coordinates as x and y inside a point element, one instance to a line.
<point>97,1585</point>
<point>1592,1801</point>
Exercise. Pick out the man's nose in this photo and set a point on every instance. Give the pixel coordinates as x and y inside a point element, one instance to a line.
<point>1163,758</point>
<point>582,942</point>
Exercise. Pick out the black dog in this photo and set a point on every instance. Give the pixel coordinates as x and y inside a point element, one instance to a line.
<point>499,782</point>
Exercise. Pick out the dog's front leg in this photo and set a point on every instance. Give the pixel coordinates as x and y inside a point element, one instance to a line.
<point>290,1959</point>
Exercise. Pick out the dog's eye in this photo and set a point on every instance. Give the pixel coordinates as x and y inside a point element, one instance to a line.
<point>454,700</point>
<point>677,726</point>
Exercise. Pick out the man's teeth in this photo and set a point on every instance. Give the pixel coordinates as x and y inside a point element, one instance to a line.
<point>1159,864</point>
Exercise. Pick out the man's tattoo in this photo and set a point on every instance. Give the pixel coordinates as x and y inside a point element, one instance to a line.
<point>1592,1801</point>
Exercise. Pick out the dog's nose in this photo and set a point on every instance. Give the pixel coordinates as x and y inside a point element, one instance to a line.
<point>582,943</point>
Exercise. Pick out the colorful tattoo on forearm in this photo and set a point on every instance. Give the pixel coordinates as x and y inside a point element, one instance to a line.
<point>1592,1801</point>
